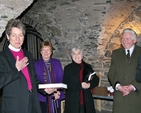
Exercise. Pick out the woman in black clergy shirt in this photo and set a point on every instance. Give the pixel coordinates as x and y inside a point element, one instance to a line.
<point>78,94</point>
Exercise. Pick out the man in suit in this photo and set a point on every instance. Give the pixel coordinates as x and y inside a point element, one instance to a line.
<point>17,74</point>
<point>127,96</point>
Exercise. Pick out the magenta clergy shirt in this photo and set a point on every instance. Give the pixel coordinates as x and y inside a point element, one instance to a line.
<point>25,69</point>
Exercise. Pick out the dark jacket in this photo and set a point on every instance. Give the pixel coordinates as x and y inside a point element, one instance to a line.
<point>15,96</point>
<point>138,70</point>
<point>71,78</point>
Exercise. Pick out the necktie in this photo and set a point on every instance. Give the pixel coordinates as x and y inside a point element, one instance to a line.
<point>128,54</point>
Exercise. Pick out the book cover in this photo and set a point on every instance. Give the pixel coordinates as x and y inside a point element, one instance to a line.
<point>53,85</point>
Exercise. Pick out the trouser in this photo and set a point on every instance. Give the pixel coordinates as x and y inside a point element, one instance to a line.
<point>44,107</point>
<point>32,108</point>
<point>81,109</point>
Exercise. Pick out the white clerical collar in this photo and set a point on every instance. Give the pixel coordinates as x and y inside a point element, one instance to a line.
<point>14,49</point>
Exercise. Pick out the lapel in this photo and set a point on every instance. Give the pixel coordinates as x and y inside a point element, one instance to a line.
<point>10,58</point>
<point>122,56</point>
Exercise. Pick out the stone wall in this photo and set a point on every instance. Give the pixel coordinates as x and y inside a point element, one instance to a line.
<point>95,25</point>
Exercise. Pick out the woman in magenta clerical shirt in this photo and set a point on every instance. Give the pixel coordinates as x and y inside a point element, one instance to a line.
<point>17,73</point>
<point>49,70</point>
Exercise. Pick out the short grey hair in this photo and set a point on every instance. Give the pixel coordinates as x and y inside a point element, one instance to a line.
<point>131,31</point>
<point>76,48</point>
<point>15,23</point>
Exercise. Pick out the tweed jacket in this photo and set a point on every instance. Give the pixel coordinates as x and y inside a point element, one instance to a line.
<point>124,71</point>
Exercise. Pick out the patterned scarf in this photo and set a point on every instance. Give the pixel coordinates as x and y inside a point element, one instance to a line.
<point>49,78</point>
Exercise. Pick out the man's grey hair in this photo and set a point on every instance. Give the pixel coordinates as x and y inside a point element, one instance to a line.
<point>135,36</point>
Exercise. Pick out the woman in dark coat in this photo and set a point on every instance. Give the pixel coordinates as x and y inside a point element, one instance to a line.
<point>17,74</point>
<point>78,94</point>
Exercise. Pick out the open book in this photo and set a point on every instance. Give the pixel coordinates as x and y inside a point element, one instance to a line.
<point>54,85</point>
<point>90,76</point>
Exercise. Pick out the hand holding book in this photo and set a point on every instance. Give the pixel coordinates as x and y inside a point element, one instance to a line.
<point>90,76</point>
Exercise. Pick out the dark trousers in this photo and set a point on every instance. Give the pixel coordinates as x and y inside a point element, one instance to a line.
<point>44,107</point>
<point>82,109</point>
<point>32,108</point>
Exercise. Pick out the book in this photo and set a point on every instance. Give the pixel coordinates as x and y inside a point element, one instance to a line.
<point>89,78</point>
<point>54,85</point>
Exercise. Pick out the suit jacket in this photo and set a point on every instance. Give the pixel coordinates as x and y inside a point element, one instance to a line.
<point>71,78</point>
<point>57,70</point>
<point>138,71</point>
<point>124,71</point>
<point>15,97</point>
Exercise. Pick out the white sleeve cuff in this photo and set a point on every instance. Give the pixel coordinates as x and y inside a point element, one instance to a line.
<point>117,86</point>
